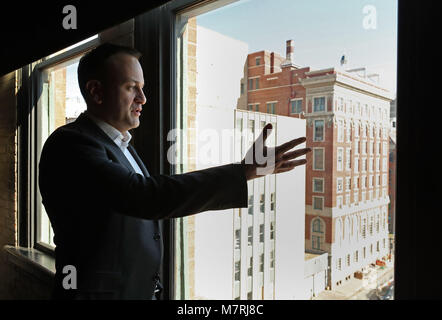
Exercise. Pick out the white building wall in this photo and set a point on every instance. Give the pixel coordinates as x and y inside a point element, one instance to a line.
<point>220,63</point>
<point>290,219</point>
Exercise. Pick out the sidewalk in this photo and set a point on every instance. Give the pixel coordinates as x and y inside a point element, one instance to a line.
<point>356,288</point>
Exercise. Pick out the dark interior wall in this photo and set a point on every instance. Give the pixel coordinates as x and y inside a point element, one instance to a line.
<point>418,210</point>
<point>34,30</point>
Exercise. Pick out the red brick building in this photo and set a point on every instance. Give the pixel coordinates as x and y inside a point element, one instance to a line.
<point>348,128</point>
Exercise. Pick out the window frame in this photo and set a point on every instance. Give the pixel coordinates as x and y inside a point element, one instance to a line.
<point>29,198</point>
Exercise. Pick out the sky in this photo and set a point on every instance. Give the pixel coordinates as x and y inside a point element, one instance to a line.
<point>322,30</point>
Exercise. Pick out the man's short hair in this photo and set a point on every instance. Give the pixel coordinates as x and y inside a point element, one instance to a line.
<point>92,64</point>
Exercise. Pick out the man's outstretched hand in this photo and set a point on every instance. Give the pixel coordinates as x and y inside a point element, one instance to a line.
<point>261,160</point>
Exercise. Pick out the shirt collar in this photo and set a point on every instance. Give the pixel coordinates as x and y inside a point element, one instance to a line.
<point>121,139</point>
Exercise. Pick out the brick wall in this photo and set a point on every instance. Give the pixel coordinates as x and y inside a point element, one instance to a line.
<point>7,175</point>
<point>15,282</point>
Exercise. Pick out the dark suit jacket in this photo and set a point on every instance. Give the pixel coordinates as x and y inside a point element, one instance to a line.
<point>105,216</point>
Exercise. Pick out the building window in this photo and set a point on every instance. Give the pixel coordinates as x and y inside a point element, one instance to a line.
<point>318,203</point>
<point>348,159</point>
<point>364,165</point>
<point>339,184</point>
<point>339,202</point>
<point>61,104</point>
<point>340,159</point>
<point>251,204</point>
<point>250,236</point>
<point>257,107</point>
<point>318,185</point>
<point>319,104</point>
<point>318,226</point>
<point>242,88</point>
<point>364,230</point>
<point>258,61</point>
<point>316,243</point>
<point>237,270</point>
<point>257,83</point>
<point>347,183</point>
<point>296,106</point>
<point>340,131</point>
<point>318,159</point>
<point>319,130</point>
<point>271,107</point>
<point>250,84</point>
<point>250,107</point>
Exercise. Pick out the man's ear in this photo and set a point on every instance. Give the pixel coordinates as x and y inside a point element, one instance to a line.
<point>95,90</point>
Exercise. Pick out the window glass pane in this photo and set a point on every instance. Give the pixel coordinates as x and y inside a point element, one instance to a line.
<point>60,103</point>
<point>220,49</point>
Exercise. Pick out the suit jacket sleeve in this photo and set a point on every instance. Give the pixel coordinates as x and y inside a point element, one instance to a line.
<point>75,164</point>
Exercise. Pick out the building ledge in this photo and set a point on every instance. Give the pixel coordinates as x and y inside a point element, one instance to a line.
<point>37,263</point>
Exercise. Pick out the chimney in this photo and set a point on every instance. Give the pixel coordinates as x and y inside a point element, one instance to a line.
<point>289,54</point>
<point>290,48</point>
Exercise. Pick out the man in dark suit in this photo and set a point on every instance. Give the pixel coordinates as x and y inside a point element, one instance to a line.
<point>104,206</point>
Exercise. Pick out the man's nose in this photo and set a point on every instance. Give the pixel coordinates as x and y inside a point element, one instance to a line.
<point>141,98</point>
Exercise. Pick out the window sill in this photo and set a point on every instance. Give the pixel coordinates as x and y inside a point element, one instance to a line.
<point>37,263</point>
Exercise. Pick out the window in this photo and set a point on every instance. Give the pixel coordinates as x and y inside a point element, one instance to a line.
<point>348,159</point>
<point>339,184</point>
<point>296,106</point>
<point>319,104</point>
<point>318,203</point>
<point>60,103</point>
<point>319,130</point>
<point>340,159</point>
<point>318,159</point>
<point>318,185</point>
<point>232,68</point>
<point>339,202</point>
<point>340,131</point>
<point>271,107</point>
<point>316,242</point>
<point>317,225</point>
<point>347,183</point>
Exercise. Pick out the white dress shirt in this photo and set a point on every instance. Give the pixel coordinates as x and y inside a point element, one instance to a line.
<point>120,139</point>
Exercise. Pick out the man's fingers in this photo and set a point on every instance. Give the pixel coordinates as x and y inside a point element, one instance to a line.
<point>294,154</point>
<point>289,145</point>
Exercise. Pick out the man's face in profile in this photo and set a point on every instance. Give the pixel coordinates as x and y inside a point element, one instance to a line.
<point>123,96</point>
